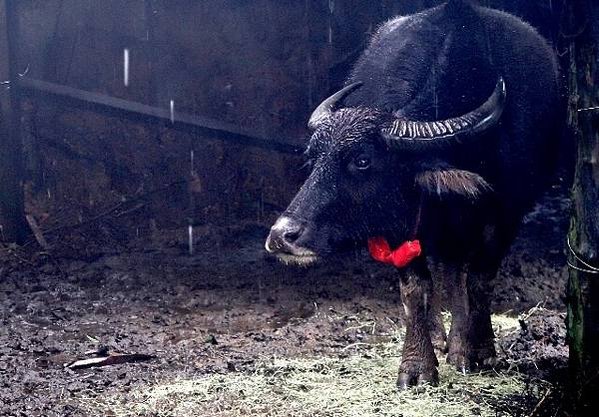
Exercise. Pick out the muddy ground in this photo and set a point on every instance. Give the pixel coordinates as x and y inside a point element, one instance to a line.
<point>227,307</point>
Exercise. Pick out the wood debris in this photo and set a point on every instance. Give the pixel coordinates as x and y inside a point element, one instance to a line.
<point>113,359</point>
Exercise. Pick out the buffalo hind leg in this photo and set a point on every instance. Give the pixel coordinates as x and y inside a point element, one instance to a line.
<point>482,272</point>
<point>419,363</point>
<point>481,339</point>
<point>436,327</point>
<point>471,339</point>
<point>457,340</point>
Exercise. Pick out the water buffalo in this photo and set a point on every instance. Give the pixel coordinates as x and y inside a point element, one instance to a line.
<point>444,132</point>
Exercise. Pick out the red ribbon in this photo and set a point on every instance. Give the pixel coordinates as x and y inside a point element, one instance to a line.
<point>381,251</point>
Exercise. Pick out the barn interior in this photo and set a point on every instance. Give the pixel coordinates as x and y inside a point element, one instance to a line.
<point>151,145</point>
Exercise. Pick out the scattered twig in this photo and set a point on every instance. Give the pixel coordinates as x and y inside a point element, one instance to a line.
<point>540,306</point>
<point>37,232</point>
<point>360,326</point>
<point>114,359</point>
<point>131,210</point>
<point>353,345</point>
<point>534,411</point>
<point>12,250</point>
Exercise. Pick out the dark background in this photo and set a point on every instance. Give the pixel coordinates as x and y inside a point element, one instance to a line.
<point>260,65</point>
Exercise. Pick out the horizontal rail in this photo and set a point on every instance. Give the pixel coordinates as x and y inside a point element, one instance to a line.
<point>137,111</point>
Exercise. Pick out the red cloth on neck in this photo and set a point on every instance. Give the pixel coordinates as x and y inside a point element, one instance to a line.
<point>381,251</point>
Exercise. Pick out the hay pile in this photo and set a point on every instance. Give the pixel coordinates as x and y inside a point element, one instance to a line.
<point>362,385</point>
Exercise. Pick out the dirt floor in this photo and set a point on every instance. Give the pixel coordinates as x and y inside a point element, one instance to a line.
<point>233,332</point>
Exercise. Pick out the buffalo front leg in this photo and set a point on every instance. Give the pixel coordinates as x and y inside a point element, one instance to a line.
<point>419,363</point>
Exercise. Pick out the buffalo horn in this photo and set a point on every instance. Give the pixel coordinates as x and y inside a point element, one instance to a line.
<point>324,110</point>
<point>408,134</point>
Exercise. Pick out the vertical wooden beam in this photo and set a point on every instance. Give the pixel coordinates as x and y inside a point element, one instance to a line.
<point>12,216</point>
<point>581,32</point>
<point>149,22</point>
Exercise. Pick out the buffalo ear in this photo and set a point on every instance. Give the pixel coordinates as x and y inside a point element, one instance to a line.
<point>452,181</point>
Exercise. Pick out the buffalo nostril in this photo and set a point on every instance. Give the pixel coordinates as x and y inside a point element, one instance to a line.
<point>283,235</point>
<point>290,236</point>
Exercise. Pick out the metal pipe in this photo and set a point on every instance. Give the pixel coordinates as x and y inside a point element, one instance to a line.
<point>141,112</point>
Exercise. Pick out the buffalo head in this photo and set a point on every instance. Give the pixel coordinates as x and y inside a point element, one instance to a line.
<point>369,169</point>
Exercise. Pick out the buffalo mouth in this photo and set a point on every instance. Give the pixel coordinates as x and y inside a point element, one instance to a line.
<point>304,260</point>
<point>300,256</point>
<point>294,255</point>
<point>296,242</point>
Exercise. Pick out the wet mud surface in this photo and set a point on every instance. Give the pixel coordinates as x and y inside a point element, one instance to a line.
<point>228,306</point>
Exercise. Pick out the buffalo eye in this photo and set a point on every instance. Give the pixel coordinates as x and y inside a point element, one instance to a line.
<point>361,162</point>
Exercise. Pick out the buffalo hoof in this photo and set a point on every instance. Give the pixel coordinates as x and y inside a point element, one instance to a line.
<point>457,354</point>
<point>413,374</point>
<point>475,360</point>
<point>459,360</point>
<point>438,337</point>
<point>484,359</point>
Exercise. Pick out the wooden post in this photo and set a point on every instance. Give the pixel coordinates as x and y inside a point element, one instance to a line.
<point>12,216</point>
<point>581,33</point>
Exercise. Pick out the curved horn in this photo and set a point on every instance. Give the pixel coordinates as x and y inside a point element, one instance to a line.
<point>325,108</point>
<point>407,134</point>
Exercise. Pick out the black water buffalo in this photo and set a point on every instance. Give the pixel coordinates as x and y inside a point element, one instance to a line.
<point>444,132</point>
